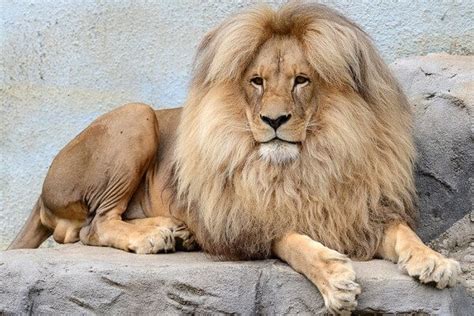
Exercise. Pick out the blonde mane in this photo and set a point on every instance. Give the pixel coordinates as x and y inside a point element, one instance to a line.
<point>354,173</point>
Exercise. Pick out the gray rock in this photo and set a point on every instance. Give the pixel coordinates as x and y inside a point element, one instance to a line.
<point>440,88</point>
<point>457,243</point>
<point>88,280</point>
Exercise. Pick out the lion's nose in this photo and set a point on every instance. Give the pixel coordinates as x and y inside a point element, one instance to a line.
<point>277,122</point>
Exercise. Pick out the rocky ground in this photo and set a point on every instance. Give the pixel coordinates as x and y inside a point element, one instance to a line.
<point>76,279</point>
<point>458,243</point>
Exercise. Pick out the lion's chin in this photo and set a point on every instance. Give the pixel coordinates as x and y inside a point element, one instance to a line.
<point>279,152</point>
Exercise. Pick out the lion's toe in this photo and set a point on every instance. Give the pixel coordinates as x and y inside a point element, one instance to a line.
<point>185,239</point>
<point>157,240</point>
<point>430,267</point>
<point>344,301</point>
<point>340,293</point>
<point>446,273</point>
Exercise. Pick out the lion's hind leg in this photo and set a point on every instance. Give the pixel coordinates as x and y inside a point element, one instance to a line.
<point>403,246</point>
<point>65,223</point>
<point>92,180</point>
<point>183,238</point>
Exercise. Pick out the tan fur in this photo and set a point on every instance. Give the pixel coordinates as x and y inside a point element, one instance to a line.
<point>403,246</point>
<point>103,175</point>
<point>354,174</point>
<point>329,270</point>
<point>295,141</point>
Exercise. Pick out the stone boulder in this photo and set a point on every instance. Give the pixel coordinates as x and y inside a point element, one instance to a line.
<point>440,88</point>
<point>84,280</point>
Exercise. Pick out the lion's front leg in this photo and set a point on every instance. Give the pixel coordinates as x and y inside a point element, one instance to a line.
<point>403,246</point>
<point>329,270</point>
<point>110,230</point>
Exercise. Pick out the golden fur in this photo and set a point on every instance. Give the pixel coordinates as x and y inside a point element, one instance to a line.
<point>354,173</point>
<point>295,141</point>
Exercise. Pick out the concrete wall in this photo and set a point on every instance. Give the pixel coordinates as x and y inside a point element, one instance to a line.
<point>63,63</point>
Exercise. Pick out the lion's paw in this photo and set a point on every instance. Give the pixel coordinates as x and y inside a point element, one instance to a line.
<point>430,267</point>
<point>184,238</point>
<point>157,239</point>
<point>337,284</point>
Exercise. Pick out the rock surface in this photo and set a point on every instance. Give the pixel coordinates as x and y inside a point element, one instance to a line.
<point>440,88</point>
<point>86,280</point>
<point>458,243</point>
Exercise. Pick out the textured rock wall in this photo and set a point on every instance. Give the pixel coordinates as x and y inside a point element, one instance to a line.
<point>440,88</point>
<point>63,63</point>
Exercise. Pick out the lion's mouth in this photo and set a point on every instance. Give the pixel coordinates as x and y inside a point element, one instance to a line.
<point>279,151</point>
<point>277,139</point>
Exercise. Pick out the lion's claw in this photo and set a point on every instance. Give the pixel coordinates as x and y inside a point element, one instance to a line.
<point>429,266</point>
<point>338,288</point>
<point>185,239</point>
<point>342,299</point>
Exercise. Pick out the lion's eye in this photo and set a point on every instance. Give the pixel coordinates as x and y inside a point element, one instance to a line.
<point>300,80</point>
<point>257,81</point>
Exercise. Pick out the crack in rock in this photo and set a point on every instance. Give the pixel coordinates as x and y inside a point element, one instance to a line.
<point>431,175</point>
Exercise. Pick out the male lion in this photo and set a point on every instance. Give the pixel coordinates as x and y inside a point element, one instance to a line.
<point>295,141</point>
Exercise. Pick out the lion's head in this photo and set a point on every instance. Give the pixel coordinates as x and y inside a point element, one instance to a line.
<point>280,90</point>
<point>293,123</point>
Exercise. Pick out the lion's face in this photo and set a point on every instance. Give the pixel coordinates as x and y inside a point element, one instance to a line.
<point>280,90</point>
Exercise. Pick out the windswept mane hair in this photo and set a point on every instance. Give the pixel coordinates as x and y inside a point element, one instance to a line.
<point>354,173</point>
<point>338,49</point>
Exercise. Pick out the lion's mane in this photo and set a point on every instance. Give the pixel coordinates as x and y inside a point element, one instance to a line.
<point>354,172</point>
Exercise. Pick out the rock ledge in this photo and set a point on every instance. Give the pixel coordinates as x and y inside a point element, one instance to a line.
<point>76,279</point>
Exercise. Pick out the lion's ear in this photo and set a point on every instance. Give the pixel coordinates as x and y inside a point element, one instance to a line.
<point>372,78</point>
<point>366,67</point>
<point>203,58</point>
<point>360,68</point>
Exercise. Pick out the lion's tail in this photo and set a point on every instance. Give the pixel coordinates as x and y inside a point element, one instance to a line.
<point>33,233</point>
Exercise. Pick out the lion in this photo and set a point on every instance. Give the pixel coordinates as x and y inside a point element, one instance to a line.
<point>294,142</point>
